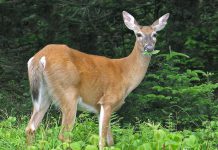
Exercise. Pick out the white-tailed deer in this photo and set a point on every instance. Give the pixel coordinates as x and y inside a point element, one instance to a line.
<point>71,78</point>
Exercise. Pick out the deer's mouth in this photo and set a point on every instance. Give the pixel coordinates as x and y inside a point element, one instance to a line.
<point>153,52</point>
<point>148,48</point>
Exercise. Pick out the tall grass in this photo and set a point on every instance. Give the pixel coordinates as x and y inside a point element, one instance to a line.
<point>143,136</point>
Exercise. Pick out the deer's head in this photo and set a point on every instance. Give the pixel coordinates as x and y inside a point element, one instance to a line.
<point>145,35</point>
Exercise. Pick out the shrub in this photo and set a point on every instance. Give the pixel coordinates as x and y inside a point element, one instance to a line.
<point>184,95</point>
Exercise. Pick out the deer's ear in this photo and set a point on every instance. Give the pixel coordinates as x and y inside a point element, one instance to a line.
<point>130,21</point>
<point>160,23</point>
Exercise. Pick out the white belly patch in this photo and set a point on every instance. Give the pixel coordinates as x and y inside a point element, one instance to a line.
<point>85,107</point>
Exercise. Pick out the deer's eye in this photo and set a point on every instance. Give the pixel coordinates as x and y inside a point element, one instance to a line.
<point>138,34</point>
<point>154,35</point>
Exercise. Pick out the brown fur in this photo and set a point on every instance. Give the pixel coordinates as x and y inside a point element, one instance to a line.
<point>92,76</point>
<point>68,76</point>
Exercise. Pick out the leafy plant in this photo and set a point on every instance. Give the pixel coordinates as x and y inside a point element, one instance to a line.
<point>186,95</point>
<point>149,136</point>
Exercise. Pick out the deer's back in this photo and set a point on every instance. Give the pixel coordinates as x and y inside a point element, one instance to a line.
<point>92,76</point>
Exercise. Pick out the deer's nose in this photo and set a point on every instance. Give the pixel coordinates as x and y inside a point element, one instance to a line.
<point>149,48</point>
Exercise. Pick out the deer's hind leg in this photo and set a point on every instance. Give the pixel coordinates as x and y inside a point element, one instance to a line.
<point>68,104</point>
<point>40,107</point>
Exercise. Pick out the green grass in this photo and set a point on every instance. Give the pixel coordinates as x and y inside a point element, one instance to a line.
<point>142,136</point>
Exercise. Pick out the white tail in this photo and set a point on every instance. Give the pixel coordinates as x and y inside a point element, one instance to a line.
<point>98,84</point>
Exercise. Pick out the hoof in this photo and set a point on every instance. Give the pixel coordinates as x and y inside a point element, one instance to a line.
<point>30,136</point>
<point>64,139</point>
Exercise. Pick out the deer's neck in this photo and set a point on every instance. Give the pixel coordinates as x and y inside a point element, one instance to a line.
<point>135,67</point>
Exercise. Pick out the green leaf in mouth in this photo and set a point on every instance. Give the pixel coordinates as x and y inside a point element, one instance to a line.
<point>152,52</point>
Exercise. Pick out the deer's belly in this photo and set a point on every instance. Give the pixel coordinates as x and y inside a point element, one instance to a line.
<point>85,107</point>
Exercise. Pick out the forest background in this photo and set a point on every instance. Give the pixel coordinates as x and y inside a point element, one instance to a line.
<point>181,83</point>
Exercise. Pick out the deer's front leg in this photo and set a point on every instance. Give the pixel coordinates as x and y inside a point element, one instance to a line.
<point>104,119</point>
<point>110,140</point>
